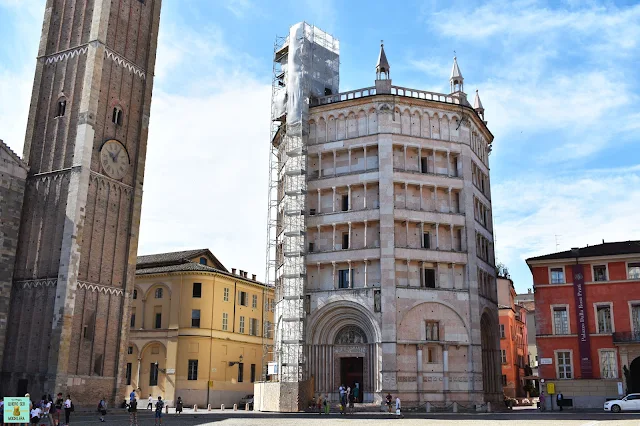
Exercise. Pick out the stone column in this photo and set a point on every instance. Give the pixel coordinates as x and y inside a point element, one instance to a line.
<point>408,273</point>
<point>335,285</point>
<point>450,203</point>
<point>319,165</point>
<point>420,196</point>
<point>419,369</point>
<point>437,236</point>
<point>365,195</point>
<point>453,275</point>
<point>349,152</point>
<point>406,229</point>
<point>335,171</point>
<point>349,197</point>
<point>405,157</point>
<point>365,234</point>
<point>365,272</point>
<point>434,162</point>
<point>451,236</point>
<point>349,274</point>
<point>422,235</point>
<point>448,164</point>
<point>420,159</point>
<point>350,242</point>
<point>435,198</point>
<point>138,373</point>
<point>317,248</point>
<point>445,368</point>
<point>334,237</point>
<point>333,200</point>
<point>365,157</point>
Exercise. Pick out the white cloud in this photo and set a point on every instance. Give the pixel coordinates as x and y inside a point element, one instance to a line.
<point>239,7</point>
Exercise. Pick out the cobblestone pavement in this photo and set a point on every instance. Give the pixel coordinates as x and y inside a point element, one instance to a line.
<point>240,418</point>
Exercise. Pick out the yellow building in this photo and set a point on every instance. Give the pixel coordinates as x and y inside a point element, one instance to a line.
<point>197,330</point>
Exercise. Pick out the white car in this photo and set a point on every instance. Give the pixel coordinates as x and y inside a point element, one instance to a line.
<point>628,403</point>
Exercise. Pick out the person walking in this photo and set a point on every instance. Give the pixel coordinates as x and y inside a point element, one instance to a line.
<point>35,414</point>
<point>179,406</point>
<point>543,400</point>
<point>133,412</point>
<point>57,407</point>
<point>560,400</point>
<point>319,404</point>
<point>159,406</point>
<point>102,408</point>
<point>46,409</point>
<point>347,398</point>
<point>327,404</point>
<point>68,409</point>
<point>398,408</point>
<point>389,398</point>
<point>150,404</point>
<point>342,390</point>
<point>356,392</point>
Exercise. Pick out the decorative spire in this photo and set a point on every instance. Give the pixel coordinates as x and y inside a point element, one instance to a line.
<point>477,105</point>
<point>383,65</point>
<point>456,79</point>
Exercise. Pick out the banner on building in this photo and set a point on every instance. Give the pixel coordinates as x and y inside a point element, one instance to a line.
<point>584,344</point>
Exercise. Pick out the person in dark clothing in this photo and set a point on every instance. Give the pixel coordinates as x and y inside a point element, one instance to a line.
<point>179,405</point>
<point>133,412</point>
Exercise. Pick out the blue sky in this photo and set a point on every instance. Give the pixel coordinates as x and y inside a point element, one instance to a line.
<point>558,80</point>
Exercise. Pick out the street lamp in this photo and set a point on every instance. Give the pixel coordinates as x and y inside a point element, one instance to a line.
<point>162,370</point>
<point>232,363</point>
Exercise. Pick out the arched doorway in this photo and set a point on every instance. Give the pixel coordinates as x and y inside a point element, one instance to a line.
<point>351,366</point>
<point>490,372</point>
<point>634,376</point>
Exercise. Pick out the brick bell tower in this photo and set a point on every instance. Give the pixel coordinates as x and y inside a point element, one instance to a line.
<point>85,145</point>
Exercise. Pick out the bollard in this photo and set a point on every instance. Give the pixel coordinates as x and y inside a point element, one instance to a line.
<point>166,408</point>
<point>235,407</point>
<point>428,407</point>
<point>195,408</point>
<point>209,407</point>
<point>455,407</point>
<point>246,407</point>
<point>488,407</point>
<point>221,407</point>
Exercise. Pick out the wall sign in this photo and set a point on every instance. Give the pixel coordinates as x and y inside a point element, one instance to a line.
<point>546,361</point>
<point>584,344</point>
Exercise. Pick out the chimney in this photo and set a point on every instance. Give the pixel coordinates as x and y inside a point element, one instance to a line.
<point>603,241</point>
<point>253,277</point>
<point>241,272</point>
<point>529,291</point>
<point>233,271</point>
<point>244,274</point>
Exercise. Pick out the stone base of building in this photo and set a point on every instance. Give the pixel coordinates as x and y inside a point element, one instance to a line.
<point>282,397</point>
<point>585,393</point>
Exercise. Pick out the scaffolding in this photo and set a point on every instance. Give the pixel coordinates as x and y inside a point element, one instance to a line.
<point>306,66</point>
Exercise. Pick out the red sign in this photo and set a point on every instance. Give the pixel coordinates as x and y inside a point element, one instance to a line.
<point>584,344</point>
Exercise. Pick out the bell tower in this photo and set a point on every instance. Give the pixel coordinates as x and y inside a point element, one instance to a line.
<point>85,145</point>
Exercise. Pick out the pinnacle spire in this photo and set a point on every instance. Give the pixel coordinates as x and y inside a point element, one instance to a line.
<point>455,70</point>
<point>382,67</point>
<point>477,103</point>
<point>456,79</point>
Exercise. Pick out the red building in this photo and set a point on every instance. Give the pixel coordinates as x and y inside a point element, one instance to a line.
<point>513,339</point>
<point>588,320</point>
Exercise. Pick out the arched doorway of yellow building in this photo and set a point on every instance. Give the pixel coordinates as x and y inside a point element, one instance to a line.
<point>153,358</point>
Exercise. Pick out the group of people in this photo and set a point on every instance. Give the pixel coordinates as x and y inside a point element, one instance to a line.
<point>46,409</point>
<point>348,397</point>
<point>389,400</point>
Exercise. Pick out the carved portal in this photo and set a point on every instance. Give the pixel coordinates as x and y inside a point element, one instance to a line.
<point>350,335</point>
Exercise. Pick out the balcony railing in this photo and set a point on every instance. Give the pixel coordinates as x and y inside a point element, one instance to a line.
<point>626,336</point>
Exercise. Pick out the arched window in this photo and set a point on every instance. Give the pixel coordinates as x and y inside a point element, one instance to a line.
<point>158,293</point>
<point>135,294</point>
<point>61,107</point>
<point>116,117</point>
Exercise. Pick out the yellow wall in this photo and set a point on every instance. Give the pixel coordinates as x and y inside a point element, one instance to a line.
<point>177,341</point>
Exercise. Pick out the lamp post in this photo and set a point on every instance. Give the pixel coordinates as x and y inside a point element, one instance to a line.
<point>232,363</point>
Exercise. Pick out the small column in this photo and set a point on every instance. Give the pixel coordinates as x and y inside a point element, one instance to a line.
<point>445,368</point>
<point>435,198</point>
<point>335,172</point>
<point>451,235</point>
<point>420,159</point>
<point>365,195</point>
<point>319,165</point>
<point>365,272</point>
<point>405,157</point>
<point>365,158</point>
<point>406,228</point>
<point>405,195</point>
<point>319,208</point>
<point>334,237</point>
<point>450,202</point>
<point>319,279</point>
<point>335,285</point>
<point>419,367</point>
<point>365,234</point>
<point>349,274</point>
<point>453,275</point>
<point>349,151</point>
<point>349,197</point>
<point>408,274</point>
<point>317,248</point>
<point>420,196</point>
<point>437,236</point>
<point>350,242</point>
<point>138,374</point>
<point>422,235</point>
<point>333,203</point>
<point>448,164</point>
<point>434,162</point>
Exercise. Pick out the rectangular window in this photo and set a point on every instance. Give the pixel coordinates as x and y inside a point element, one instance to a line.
<point>426,240</point>
<point>243,298</point>
<point>433,331</point>
<point>560,320</point>
<point>128,374</point>
<point>431,355</point>
<point>600,273</point>
<point>225,294</point>
<point>203,260</point>
<point>197,290</point>
<point>254,301</point>
<point>633,271</point>
<point>504,380</point>
<point>635,318</point>
<point>345,241</point>
<point>241,324</point>
<point>153,374</point>
<point>267,329</point>
<point>253,373</point>
<point>557,276</point>
<point>424,165</point>
<point>345,203</point>
<point>343,278</point>
<point>253,326</point>
<point>240,372</point>
<point>430,278</point>
<point>503,356</point>
<point>564,365</point>
<point>130,350</point>
<point>132,323</point>
<point>195,318</point>
<point>225,321</point>
<point>192,373</point>
<point>604,319</point>
<point>158,323</point>
<point>502,331</point>
<point>311,247</point>
<point>608,365</point>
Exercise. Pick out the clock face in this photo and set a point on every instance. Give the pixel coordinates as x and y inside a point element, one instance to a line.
<point>114,159</point>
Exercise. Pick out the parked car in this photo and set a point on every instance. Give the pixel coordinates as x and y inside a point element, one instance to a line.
<point>248,399</point>
<point>628,403</point>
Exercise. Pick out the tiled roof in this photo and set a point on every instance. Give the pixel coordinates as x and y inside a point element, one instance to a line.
<point>189,267</point>
<point>175,258</point>
<point>605,249</point>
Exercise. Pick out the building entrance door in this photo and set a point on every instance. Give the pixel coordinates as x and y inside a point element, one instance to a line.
<point>352,372</point>
<point>23,386</point>
<point>634,376</point>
